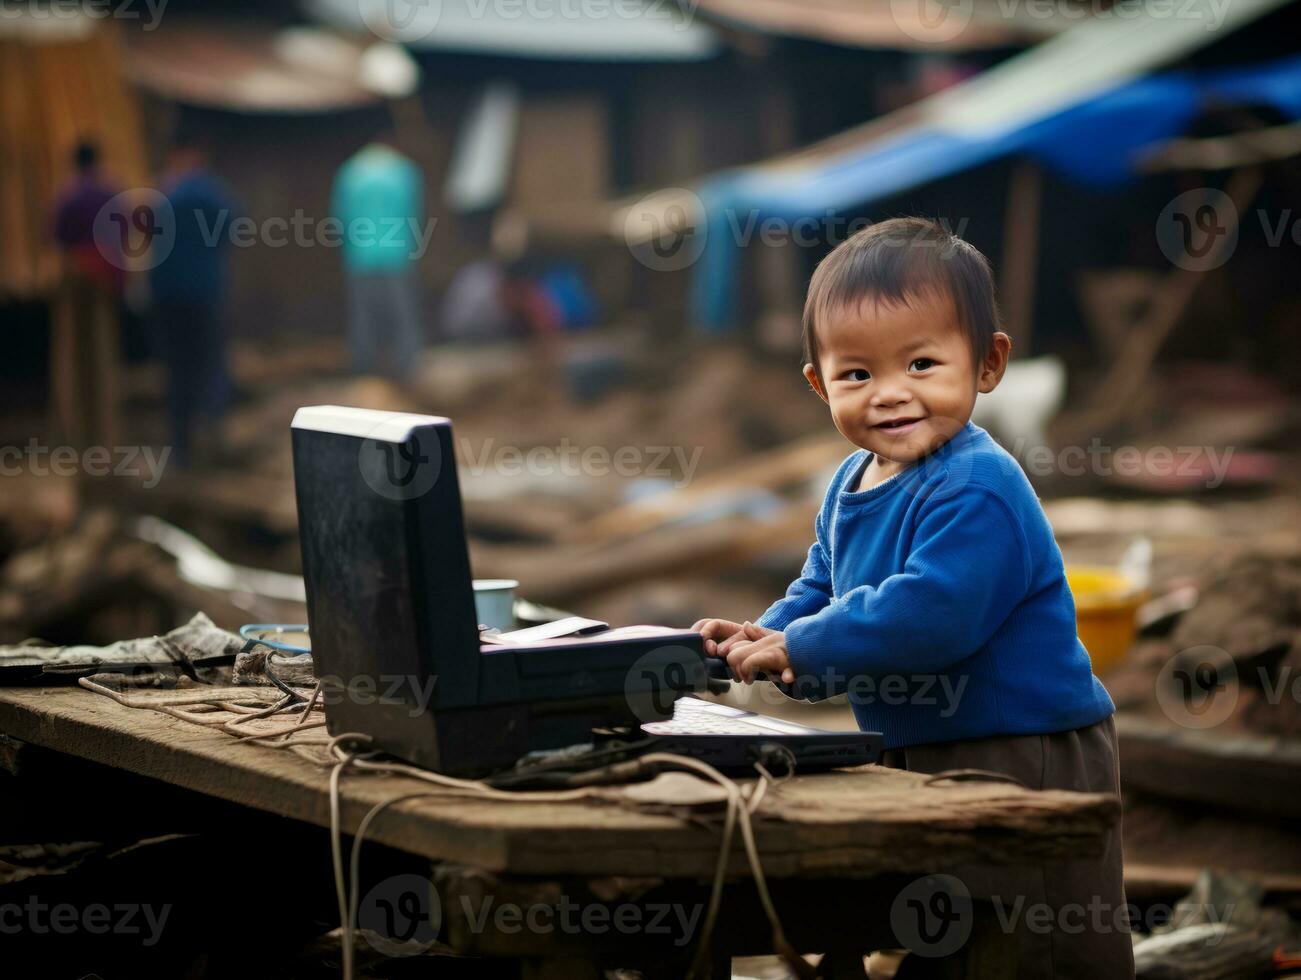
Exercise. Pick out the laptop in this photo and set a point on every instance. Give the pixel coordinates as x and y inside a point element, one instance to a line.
<point>399,651</point>
<point>733,740</point>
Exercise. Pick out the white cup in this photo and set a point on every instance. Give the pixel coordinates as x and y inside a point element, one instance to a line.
<point>494,602</point>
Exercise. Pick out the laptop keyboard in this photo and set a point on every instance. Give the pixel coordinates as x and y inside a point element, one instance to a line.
<point>692,716</point>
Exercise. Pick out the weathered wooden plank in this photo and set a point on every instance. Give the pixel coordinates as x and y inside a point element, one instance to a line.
<point>853,824</point>
<point>1251,773</point>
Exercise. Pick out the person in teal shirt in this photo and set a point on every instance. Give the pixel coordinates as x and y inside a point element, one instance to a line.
<point>378,202</point>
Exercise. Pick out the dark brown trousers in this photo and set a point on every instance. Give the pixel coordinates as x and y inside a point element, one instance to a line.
<point>1069,918</point>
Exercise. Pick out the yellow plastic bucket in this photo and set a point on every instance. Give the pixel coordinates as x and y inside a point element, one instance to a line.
<point>1105,603</point>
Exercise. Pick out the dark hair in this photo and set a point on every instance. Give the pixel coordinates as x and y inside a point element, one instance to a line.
<point>86,155</point>
<point>899,260</point>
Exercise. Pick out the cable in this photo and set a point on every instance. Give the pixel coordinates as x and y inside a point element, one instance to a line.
<point>251,631</point>
<point>354,863</point>
<point>972,776</point>
<point>271,676</point>
<point>735,808</point>
<point>336,842</point>
<point>739,809</point>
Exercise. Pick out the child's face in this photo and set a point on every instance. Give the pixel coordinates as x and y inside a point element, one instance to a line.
<point>901,381</point>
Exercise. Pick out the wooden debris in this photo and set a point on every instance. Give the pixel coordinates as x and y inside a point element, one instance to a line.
<point>776,469</point>
<point>1242,772</point>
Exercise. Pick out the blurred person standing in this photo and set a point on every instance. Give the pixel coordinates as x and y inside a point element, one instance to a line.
<point>188,289</point>
<point>377,198</point>
<point>85,330</point>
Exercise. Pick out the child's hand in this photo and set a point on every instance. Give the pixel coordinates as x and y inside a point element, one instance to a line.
<point>716,632</point>
<point>759,651</point>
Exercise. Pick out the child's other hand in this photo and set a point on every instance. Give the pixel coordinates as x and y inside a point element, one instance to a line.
<point>759,651</point>
<point>715,632</point>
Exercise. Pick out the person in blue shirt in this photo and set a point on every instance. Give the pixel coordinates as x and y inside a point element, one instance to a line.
<point>187,286</point>
<point>377,198</point>
<point>934,594</point>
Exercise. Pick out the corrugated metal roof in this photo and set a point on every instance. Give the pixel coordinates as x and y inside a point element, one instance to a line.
<point>248,67</point>
<point>597,30</point>
<point>927,25</point>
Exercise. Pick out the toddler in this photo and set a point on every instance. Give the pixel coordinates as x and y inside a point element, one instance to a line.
<point>934,593</point>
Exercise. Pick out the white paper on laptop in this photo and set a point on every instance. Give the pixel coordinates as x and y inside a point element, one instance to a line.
<point>575,629</point>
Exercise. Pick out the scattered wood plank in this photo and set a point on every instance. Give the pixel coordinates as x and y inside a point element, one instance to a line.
<point>1114,396</point>
<point>773,470</point>
<point>1251,773</point>
<point>560,574</point>
<point>1144,881</point>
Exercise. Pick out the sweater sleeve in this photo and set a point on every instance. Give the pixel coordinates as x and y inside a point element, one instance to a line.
<point>968,569</point>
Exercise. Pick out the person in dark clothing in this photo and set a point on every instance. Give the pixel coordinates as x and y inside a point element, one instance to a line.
<point>188,288</point>
<point>85,332</point>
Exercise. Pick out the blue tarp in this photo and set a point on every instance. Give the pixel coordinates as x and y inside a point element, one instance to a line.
<point>1094,142</point>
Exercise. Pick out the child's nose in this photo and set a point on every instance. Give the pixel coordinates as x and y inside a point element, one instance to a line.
<point>890,393</point>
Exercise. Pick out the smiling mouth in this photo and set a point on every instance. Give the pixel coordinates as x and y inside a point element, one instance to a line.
<point>895,424</point>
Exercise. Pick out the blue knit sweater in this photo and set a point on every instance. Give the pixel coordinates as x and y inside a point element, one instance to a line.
<point>938,601</point>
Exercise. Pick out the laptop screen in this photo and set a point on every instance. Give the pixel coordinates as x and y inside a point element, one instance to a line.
<point>389,591</point>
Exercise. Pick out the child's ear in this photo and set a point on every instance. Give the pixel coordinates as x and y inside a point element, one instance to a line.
<point>994,363</point>
<point>811,376</point>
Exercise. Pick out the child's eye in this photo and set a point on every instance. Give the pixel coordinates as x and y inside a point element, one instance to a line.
<point>857,374</point>
<point>922,363</point>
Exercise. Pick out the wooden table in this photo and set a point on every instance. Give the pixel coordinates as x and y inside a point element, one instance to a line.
<point>836,847</point>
